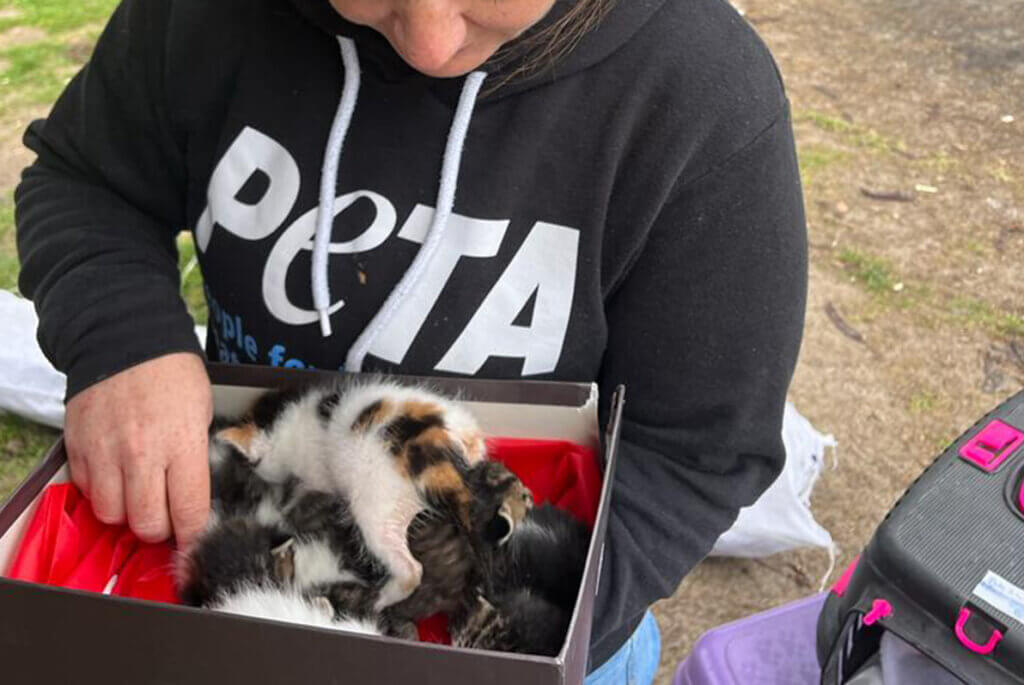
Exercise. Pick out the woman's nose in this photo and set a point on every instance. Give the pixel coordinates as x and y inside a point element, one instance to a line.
<point>430,33</point>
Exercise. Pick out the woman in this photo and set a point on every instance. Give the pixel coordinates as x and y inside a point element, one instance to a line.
<point>582,190</point>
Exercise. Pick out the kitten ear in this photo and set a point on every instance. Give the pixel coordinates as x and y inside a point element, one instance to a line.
<point>499,529</point>
<point>240,437</point>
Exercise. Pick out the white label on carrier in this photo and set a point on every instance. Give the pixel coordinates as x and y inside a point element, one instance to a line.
<point>1002,594</point>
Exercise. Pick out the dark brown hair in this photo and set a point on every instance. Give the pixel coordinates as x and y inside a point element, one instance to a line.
<point>537,51</point>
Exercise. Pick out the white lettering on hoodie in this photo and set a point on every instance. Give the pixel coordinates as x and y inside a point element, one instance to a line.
<point>543,268</point>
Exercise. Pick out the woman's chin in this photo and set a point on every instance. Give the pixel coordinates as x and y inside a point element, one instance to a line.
<point>466,60</point>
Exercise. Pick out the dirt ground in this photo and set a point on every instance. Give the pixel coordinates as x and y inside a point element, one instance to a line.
<point>915,322</point>
<point>921,100</point>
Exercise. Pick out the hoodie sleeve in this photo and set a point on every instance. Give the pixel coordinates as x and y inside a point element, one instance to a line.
<point>704,333</point>
<point>98,211</point>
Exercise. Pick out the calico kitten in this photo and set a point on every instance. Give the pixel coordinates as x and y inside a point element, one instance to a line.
<point>529,586</point>
<point>450,555</point>
<point>389,450</point>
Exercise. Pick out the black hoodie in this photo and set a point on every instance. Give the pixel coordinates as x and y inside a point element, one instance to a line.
<point>631,216</point>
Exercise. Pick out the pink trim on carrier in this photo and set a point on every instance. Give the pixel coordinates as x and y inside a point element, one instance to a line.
<point>992,445</point>
<point>961,634</point>
<point>844,580</point>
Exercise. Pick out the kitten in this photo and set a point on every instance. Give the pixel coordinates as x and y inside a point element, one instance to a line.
<point>450,555</point>
<point>529,586</point>
<point>390,451</point>
<point>517,621</point>
<point>235,489</point>
<point>261,601</point>
<point>546,554</point>
<point>231,553</point>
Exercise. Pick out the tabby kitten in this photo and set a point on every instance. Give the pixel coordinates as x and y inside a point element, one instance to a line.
<point>388,450</point>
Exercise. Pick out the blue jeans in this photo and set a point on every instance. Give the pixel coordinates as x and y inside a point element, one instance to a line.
<point>636,662</point>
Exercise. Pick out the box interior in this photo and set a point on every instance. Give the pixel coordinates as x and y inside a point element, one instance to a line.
<point>561,415</point>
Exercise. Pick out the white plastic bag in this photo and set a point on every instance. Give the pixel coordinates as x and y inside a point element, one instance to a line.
<point>781,519</point>
<point>29,385</point>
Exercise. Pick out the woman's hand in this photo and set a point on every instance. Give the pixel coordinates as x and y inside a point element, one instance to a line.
<point>137,445</point>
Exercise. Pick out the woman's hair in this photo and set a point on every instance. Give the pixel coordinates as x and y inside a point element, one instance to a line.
<point>537,51</point>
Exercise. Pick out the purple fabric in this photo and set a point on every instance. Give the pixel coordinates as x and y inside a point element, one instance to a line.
<point>776,647</point>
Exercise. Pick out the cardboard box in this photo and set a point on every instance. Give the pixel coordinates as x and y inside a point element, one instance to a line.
<point>54,635</point>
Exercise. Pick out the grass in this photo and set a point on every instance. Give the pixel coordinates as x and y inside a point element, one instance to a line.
<point>8,249</point>
<point>878,277</point>
<point>54,16</point>
<point>816,157</point>
<point>22,445</point>
<point>192,279</point>
<point>874,273</point>
<point>848,132</point>
<point>35,74</point>
<point>976,312</point>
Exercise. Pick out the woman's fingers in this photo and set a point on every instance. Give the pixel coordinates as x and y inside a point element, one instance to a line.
<point>106,490</point>
<point>146,498</point>
<point>188,493</point>
<point>137,446</point>
<point>79,469</point>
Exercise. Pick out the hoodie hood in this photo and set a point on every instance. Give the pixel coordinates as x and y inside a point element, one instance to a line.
<point>623,21</point>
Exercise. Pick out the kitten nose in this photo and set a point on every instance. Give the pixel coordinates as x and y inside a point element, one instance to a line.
<point>429,34</point>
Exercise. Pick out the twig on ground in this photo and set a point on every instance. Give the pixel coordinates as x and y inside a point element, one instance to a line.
<point>887,195</point>
<point>841,324</point>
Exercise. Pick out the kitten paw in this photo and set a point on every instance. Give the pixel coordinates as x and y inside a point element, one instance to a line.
<point>323,605</point>
<point>401,585</point>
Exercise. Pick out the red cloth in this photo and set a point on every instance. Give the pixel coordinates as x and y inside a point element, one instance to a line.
<point>65,545</point>
<point>562,473</point>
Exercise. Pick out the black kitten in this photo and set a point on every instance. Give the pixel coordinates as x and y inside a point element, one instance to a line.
<point>545,554</point>
<point>529,586</point>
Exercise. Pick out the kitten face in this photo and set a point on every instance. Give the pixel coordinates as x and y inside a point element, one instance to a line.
<point>501,501</point>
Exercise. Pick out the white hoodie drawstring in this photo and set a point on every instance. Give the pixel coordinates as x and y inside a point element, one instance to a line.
<point>328,187</point>
<point>329,182</point>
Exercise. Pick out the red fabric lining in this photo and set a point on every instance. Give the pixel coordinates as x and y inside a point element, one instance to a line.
<point>64,544</point>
